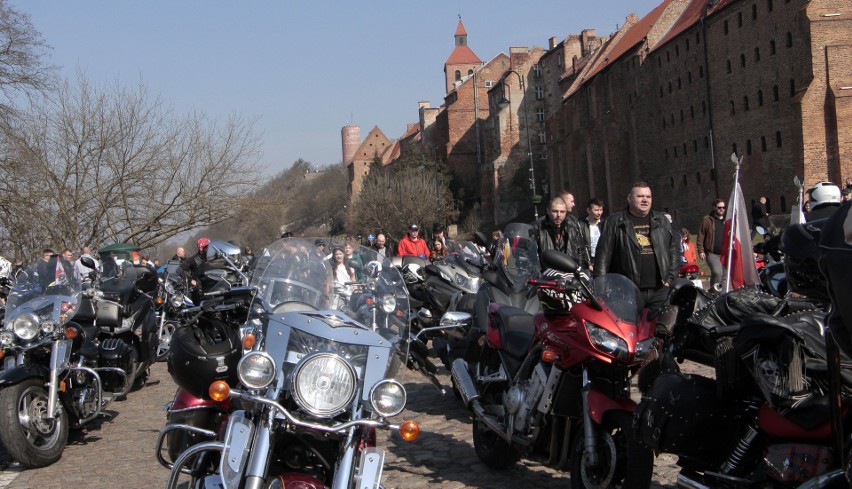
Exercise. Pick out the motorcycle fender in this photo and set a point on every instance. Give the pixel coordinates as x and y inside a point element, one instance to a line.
<point>372,463</point>
<point>185,400</point>
<point>237,440</point>
<point>19,374</point>
<point>600,404</point>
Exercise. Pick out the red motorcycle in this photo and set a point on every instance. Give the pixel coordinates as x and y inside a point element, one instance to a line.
<point>556,386</point>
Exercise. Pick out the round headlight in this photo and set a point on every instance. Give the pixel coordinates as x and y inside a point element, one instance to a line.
<point>177,300</point>
<point>48,326</point>
<point>388,398</point>
<point>170,289</point>
<point>256,370</point>
<point>6,338</point>
<point>388,304</point>
<point>324,384</point>
<point>26,326</point>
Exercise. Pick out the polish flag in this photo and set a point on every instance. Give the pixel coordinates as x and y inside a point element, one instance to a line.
<point>742,270</point>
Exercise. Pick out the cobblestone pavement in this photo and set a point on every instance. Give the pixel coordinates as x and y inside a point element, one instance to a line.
<point>118,451</point>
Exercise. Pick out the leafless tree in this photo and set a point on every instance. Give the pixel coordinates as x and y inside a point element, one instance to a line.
<point>92,166</point>
<point>22,53</point>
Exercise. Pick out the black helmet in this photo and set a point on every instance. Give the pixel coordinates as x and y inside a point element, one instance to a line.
<point>836,264</point>
<point>205,353</point>
<point>800,244</point>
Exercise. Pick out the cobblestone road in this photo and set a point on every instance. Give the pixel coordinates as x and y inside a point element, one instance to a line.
<point>119,451</point>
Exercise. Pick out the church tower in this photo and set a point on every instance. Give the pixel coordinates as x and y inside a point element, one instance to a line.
<point>462,61</point>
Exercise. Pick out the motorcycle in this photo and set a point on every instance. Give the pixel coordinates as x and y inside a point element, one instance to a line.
<point>770,264</point>
<point>556,386</point>
<point>314,384</point>
<point>56,374</point>
<point>171,301</point>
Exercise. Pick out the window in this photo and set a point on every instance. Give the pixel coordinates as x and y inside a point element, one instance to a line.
<point>539,115</point>
<point>677,51</point>
<point>675,151</point>
<point>745,103</point>
<point>697,37</point>
<point>664,122</point>
<point>753,12</point>
<point>763,143</point>
<point>792,87</point>
<point>757,54</point>
<point>739,19</point>
<point>760,98</point>
<point>671,119</point>
<point>725,27</point>
<point>684,153</point>
<point>789,40</point>
<point>700,72</point>
<point>728,66</point>
<point>769,5</point>
<point>681,116</point>
<point>542,137</point>
<point>703,107</point>
<point>748,146</point>
<point>469,72</point>
<point>661,91</point>
<point>692,112</point>
<point>537,71</point>
<point>783,204</point>
<point>689,77</point>
<point>668,57</point>
<point>734,148</point>
<point>733,109</point>
<point>778,138</point>
<point>687,44</point>
<point>671,179</point>
<point>667,157</point>
<point>670,87</point>
<point>695,150</point>
<point>775,93</point>
<point>772,46</point>
<point>678,83</point>
<point>742,60</point>
<point>706,142</point>
<point>684,180</point>
<point>698,176</point>
<point>458,75</point>
<point>539,92</point>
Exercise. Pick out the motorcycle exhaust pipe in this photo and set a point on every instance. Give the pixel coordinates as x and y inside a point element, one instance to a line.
<point>464,382</point>
<point>685,482</point>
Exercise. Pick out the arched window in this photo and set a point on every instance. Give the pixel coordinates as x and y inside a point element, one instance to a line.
<point>458,75</point>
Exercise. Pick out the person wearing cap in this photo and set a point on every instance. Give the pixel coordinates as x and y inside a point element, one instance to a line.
<point>412,245</point>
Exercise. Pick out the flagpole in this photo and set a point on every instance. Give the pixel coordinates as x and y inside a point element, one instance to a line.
<point>734,215</point>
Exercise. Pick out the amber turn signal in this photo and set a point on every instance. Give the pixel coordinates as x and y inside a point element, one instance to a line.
<point>70,333</point>
<point>160,301</point>
<point>409,430</point>
<point>549,356</point>
<point>2,354</point>
<point>248,341</point>
<point>219,390</point>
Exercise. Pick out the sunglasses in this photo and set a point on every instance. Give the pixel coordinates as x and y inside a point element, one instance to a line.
<point>720,207</point>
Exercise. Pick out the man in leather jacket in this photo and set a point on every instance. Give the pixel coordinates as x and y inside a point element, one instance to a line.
<point>640,244</point>
<point>559,230</point>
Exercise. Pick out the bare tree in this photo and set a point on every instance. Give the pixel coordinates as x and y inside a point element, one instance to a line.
<point>91,165</point>
<point>22,53</point>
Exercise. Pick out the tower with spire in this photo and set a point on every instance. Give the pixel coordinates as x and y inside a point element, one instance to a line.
<point>462,61</point>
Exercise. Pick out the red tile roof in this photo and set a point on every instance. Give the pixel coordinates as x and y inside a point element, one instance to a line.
<point>690,16</point>
<point>463,55</point>
<point>460,29</point>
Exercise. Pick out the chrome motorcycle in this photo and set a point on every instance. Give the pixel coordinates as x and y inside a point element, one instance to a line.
<point>314,383</point>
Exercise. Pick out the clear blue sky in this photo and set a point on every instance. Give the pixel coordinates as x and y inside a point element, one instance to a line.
<point>305,68</point>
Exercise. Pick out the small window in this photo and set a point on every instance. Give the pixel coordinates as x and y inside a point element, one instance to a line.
<point>697,37</point>
<point>745,103</point>
<point>542,137</point>
<point>537,71</point>
<point>783,204</point>
<point>689,77</point>
<point>678,83</point>
<point>695,150</point>
<point>539,92</point>
<point>692,112</point>
<point>775,93</point>
<point>739,19</point>
<point>789,40</point>
<point>772,47</point>
<point>667,157</point>
<point>698,176</point>
<point>458,75</point>
<point>677,51</point>
<point>760,98</point>
<point>733,109</point>
<point>734,148</point>
<point>687,44</point>
<point>671,119</point>
<point>706,142</point>
<point>668,57</point>
<point>748,146</point>
<point>703,107</point>
<point>670,87</point>
<point>675,151</point>
<point>778,138</point>
<point>742,60</point>
<point>763,143</point>
<point>792,87</point>
<point>684,150</point>
<point>684,180</point>
<point>753,12</point>
<point>469,72</point>
<point>681,116</point>
<point>769,5</point>
<point>700,72</point>
<point>728,66</point>
<point>725,27</point>
<point>757,54</point>
<point>659,62</point>
<point>661,91</point>
<point>539,115</point>
<point>664,122</point>
<point>671,179</point>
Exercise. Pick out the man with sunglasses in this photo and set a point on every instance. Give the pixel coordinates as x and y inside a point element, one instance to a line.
<point>710,236</point>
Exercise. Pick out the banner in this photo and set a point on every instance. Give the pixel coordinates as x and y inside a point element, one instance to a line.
<point>739,256</point>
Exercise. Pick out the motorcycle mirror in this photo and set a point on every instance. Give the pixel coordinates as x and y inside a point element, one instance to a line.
<point>559,261</point>
<point>88,262</point>
<point>216,273</point>
<point>355,264</point>
<point>480,238</point>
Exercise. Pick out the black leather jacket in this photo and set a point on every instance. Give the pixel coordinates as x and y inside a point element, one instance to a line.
<point>587,235</point>
<point>618,250</point>
<point>572,238</point>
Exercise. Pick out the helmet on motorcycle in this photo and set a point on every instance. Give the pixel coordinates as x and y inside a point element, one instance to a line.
<point>836,264</point>
<point>558,301</point>
<point>824,193</point>
<point>202,354</point>
<point>800,244</point>
<point>202,244</point>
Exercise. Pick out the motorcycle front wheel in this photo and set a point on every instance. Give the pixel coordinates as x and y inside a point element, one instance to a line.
<point>623,461</point>
<point>29,437</point>
<point>165,340</point>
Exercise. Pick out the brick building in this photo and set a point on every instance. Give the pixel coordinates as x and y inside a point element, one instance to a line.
<point>669,97</point>
<point>375,147</point>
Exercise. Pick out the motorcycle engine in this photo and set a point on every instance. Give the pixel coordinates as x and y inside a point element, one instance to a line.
<point>114,352</point>
<point>521,398</point>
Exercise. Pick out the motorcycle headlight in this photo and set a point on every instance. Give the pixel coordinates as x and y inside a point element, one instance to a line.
<point>7,338</point>
<point>388,398</point>
<point>607,342</point>
<point>646,350</point>
<point>324,384</point>
<point>26,326</point>
<point>48,326</point>
<point>388,304</point>
<point>170,289</point>
<point>177,300</point>
<point>256,370</point>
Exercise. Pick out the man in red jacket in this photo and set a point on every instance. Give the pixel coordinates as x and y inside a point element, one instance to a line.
<point>412,245</point>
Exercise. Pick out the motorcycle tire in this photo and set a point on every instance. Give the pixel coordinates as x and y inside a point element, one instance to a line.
<point>492,449</point>
<point>625,462</point>
<point>30,438</point>
<point>162,353</point>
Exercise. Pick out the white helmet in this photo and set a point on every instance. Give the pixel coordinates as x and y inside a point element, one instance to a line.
<point>824,193</point>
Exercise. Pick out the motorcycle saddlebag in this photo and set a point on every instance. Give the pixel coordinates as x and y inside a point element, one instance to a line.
<point>682,414</point>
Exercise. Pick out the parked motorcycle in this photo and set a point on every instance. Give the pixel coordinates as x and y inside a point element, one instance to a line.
<point>556,386</point>
<point>56,374</point>
<point>172,300</point>
<point>315,383</point>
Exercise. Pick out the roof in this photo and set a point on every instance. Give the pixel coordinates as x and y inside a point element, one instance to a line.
<point>460,29</point>
<point>690,16</point>
<point>463,55</point>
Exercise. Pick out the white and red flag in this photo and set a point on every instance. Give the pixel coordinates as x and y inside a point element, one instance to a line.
<point>737,251</point>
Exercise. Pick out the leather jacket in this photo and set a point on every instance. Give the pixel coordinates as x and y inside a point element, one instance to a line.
<point>587,236</point>
<point>574,244</point>
<point>618,250</point>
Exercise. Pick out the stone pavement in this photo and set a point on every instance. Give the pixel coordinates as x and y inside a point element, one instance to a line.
<point>119,452</point>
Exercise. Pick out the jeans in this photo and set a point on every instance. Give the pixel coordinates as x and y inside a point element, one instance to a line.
<point>653,298</point>
<point>717,271</point>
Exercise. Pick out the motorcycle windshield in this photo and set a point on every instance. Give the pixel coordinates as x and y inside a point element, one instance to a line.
<point>292,274</point>
<point>467,252</point>
<point>42,297</point>
<point>618,294</point>
<point>517,258</point>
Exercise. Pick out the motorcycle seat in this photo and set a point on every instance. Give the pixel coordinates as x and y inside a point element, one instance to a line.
<point>516,329</point>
